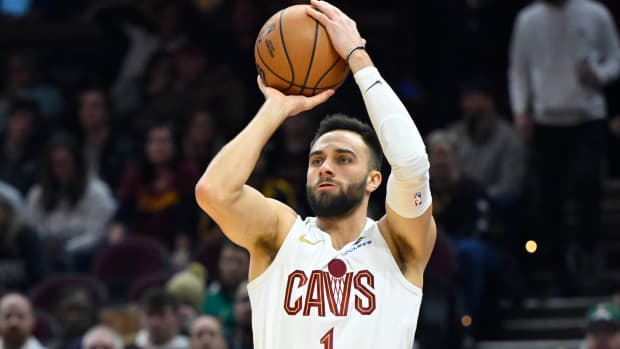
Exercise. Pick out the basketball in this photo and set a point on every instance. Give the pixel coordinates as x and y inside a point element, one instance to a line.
<point>293,54</point>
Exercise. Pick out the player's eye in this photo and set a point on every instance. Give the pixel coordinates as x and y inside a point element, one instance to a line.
<point>317,161</point>
<point>345,160</point>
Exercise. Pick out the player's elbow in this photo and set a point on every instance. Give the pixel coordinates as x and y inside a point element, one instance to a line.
<point>413,168</point>
<point>207,193</point>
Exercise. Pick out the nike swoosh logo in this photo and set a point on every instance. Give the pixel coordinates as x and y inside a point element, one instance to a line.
<point>302,239</point>
<point>359,240</point>
<point>378,82</point>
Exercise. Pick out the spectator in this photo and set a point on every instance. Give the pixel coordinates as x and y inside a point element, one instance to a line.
<point>271,184</point>
<point>202,139</point>
<point>241,337</point>
<point>102,337</point>
<point>21,143</point>
<point>156,199</point>
<point>68,207</point>
<point>207,333</point>
<point>22,81</point>
<point>14,197</point>
<point>106,150</point>
<point>188,287</point>
<point>602,327</point>
<point>464,213</point>
<point>159,27</point>
<point>233,268</point>
<point>556,89</point>
<point>198,81</point>
<point>17,323</point>
<point>160,323</point>
<point>488,149</point>
<point>21,254</point>
<point>76,310</point>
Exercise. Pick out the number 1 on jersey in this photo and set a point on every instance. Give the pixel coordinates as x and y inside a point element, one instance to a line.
<point>328,339</point>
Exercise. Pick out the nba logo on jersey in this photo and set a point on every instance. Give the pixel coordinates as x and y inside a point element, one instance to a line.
<point>417,199</point>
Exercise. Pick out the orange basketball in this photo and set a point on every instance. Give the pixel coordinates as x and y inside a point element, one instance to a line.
<point>293,54</point>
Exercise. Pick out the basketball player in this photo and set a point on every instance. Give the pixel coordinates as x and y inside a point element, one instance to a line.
<point>340,280</point>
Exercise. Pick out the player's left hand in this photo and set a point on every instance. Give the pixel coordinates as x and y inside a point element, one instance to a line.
<point>293,104</point>
<point>341,29</point>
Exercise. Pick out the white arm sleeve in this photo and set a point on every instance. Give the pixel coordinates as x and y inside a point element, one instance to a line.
<point>408,190</point>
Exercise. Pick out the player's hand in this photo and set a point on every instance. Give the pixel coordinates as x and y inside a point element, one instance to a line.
<point>341,29</point>
<point>293,104</point>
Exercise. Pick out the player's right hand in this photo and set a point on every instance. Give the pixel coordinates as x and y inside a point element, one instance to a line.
<point>292,104</point>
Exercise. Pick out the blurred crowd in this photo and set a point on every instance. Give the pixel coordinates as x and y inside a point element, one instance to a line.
<point>111,110</point>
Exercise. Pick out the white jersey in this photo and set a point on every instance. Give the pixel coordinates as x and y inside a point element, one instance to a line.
<point>315,297</point>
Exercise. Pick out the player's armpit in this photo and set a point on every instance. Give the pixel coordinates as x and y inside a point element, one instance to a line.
<point>411,241</point>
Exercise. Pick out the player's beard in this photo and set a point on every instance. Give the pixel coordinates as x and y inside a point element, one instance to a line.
<point>327,204</point>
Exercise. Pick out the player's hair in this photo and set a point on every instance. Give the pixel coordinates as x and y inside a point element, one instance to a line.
<point>339,121</point>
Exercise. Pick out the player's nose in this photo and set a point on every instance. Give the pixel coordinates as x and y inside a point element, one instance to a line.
<point>326,169</point>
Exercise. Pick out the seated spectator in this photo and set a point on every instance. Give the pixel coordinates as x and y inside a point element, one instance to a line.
<point>14,197</point>
<point>464,214</point>
<point>22,262</point>
<point>242,337</point>
<point>106,150</point>
<point>22,81</point>
<point>21,143</point>
<point>102,337</point>
<point>157,198</point>
<point>207,333</point>
<point>76,310</point>
<point>488,148</point>
<point>160,324</point>
<point>201,139</point>
<point>17,323</point>
<point>233,265</point>
<point>602,327</point>
<point>188,287</point>
<point>68,207</point>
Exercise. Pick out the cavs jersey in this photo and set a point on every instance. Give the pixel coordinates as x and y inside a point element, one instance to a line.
<point>313,296</point>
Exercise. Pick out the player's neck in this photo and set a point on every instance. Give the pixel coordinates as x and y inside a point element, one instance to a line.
<point>344,229</point>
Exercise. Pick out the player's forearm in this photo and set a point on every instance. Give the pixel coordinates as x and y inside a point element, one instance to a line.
<point>230,169</point>
<point>401,142</point>
<point>400,139</point>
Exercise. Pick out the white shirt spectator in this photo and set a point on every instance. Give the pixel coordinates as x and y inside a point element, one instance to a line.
<point>549,44</point>
<point>81,225</point>
<point>31,343</point>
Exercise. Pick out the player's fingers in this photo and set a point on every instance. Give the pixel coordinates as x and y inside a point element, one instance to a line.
<point>328,9</point>
<point>319,98</point>
<point>318,15</point>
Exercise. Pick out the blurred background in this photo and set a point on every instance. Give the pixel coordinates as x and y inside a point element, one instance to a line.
<point>111,110</point>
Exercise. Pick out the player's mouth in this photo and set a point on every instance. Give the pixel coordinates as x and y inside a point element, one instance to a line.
<point>325,186</point>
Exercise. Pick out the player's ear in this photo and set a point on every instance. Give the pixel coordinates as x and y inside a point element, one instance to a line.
<point>373,180</point>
